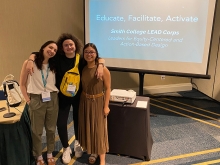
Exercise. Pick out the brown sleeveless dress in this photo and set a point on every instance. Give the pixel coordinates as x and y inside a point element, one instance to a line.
<point>93,134</point>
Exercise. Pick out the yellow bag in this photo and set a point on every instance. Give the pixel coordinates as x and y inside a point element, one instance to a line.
<point>70,83</point>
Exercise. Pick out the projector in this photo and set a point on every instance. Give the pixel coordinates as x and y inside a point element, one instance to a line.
<point>124,96</point>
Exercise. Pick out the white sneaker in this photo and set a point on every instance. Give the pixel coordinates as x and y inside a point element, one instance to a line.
<point>66,155</point>
<point>78,149</point>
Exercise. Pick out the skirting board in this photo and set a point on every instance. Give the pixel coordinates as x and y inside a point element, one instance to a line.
<point>165,88</point>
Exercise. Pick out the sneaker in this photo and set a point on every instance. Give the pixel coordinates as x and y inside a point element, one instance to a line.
<point>66,155</point>
<point>78,149</point>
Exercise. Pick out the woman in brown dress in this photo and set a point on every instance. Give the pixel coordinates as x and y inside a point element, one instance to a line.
<point>94,107</point>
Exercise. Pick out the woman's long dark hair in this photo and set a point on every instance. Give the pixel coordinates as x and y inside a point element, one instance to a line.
<point>39,58</point>
<point>95,48</point>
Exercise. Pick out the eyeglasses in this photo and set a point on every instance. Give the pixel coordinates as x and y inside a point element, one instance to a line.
<point>90,53</point>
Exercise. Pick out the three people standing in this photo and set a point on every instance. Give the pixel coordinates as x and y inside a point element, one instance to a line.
<point>68,47</point>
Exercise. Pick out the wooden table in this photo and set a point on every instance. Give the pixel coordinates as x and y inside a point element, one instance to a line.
<point>129,129</point>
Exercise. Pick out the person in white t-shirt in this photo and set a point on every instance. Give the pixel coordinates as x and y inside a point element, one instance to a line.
<point>41,95</point>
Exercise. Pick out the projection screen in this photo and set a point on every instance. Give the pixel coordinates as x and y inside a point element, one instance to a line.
<point>170,36</point>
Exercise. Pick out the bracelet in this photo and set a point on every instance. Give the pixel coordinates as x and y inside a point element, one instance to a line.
<point>30,60</point>
<point>101,64</point>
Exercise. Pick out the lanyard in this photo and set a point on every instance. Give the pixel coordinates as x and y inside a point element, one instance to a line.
<point>45,79</point>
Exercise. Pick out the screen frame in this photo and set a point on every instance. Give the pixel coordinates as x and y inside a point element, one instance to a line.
<point>157,72</point>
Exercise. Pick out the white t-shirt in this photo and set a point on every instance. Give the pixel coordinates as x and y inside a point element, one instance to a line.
<point>35,83</point>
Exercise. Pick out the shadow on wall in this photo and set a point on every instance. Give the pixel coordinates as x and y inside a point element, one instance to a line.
<point>123,80</point>
<point>216,96</point>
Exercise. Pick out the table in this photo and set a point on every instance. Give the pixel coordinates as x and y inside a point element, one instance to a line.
<point>15,137</point>
<point>17,110</point>
<point>129,129</point>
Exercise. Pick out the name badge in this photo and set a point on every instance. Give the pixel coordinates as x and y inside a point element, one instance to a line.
<point>45,96</point>
<point>71,88</point>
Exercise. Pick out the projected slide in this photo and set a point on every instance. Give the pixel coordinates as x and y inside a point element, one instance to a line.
<point>152,32</point>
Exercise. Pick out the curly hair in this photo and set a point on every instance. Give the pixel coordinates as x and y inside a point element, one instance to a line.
<point>67,36</point>
<point>39,58</point>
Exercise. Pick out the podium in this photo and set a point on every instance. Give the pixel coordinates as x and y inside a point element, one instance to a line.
<point>129,129</point>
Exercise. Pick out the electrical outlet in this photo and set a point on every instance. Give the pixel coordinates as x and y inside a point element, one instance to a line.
<point>162,77</point>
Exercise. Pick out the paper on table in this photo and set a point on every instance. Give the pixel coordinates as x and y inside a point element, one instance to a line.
<point>142,104</point>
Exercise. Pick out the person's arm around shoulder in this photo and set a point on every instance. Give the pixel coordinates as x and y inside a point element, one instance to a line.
<point>23,82</point>
<point>101,64</point>
<point>107,84</point>
<point>30,64</point>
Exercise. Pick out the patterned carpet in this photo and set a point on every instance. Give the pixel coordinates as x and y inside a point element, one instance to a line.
<point>185,129</point>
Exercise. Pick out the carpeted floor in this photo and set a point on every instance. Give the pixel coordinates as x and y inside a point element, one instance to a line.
<point>185,129</point>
